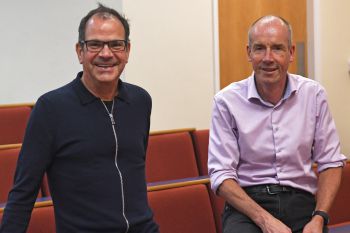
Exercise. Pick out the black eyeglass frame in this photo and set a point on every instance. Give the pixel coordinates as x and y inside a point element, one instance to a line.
<point>82,42</point>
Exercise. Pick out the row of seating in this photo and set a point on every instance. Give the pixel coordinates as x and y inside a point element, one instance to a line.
<point>171,155</point>
<point>179,206</point>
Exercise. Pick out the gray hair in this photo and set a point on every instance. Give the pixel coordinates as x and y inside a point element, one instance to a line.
<point>269,18</point>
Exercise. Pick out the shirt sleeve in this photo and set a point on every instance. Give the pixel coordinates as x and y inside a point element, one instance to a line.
<point>223,152</point>
<point>326,148</point>
<point>34,157</point>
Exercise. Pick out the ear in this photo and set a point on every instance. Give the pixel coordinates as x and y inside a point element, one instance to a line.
<point>128,47</point>
<point>248,53</point>
<point>291,52</point>
<point>79,51</point>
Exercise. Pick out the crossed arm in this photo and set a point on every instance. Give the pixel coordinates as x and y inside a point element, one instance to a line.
<point>239,199</point>
<point>328,185</point>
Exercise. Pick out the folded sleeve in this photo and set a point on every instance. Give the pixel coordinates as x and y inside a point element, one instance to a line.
<point>223,152</point>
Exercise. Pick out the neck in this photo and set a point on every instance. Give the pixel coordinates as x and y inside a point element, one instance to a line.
<point>272,93</point>
<point>104,91</point>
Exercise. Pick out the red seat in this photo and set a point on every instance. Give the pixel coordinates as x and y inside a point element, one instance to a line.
<point>201,142</point>
<point>13,122</point>
<point>218,204</point>
<point>45,187</point>
<point>183,210</point>
<point>42,220</point>
<point>170,157</point>
<point>8,163</point>
<point>340,209</point>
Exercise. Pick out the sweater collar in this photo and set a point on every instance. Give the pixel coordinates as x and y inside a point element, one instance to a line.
<point>87,97</point>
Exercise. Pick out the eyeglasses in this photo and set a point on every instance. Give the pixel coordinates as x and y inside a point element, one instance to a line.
<point>95,46</point>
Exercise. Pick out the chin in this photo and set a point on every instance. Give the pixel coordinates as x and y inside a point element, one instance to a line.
<point>107,78</point>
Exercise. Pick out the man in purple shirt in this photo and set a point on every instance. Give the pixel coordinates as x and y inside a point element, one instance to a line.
<point>267,132</point>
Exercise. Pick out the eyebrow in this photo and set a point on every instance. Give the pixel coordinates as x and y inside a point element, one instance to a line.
<point>272,45</point>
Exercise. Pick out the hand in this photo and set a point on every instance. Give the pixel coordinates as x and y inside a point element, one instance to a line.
<point>273,225</point>
<point>314,226</point>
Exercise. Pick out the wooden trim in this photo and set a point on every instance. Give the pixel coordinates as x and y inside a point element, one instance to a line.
<point>170,185</point>
<point>31,105</point>
<point>171,131</point>
<point>151,188</point>
<point>338,225</point>
<point>37,204</point>
<point>43,204</point>
<point>10,146</point>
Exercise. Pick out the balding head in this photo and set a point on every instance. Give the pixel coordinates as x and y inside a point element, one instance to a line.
<point>270,20</point>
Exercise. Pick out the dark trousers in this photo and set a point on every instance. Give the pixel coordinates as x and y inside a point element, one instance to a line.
<point>293,207</point>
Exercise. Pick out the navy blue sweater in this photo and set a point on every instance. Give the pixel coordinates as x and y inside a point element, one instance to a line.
<point>70,136</point>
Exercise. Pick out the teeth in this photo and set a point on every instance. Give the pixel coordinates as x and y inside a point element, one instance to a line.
<point>104,65</point>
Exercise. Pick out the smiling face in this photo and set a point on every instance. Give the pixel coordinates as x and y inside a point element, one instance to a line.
<point>104,67</point>
<point>270,52</point>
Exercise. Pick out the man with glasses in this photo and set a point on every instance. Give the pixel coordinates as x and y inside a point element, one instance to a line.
<point>267,132</point>
<point>90,137</point>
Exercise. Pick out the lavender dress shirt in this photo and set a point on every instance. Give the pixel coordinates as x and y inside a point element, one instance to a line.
<point>255,142</point>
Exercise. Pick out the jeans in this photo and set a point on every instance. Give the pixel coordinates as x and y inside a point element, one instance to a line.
<point>293,208</point>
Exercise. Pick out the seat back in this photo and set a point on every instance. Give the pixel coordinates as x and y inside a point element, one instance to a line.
<point>45,190</point>
<point>201,142</point>
<point>218,204</point>
<point>8,163</point>
<point>42,220</point>
<point>340,209</point>
<point>13,122</point>
<point>183,209</point>
<point>170,156</point>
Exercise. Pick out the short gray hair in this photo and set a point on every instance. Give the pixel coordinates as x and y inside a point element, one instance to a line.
<point>269,18</point>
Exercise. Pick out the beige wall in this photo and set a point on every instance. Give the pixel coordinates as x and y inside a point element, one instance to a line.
<point>333,67</point>
<point>172,58</point>
<point>38,46</point>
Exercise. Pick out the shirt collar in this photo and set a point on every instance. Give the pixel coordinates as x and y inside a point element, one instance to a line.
<point>292,86</point>
<point>253,92</point>
<point>87,97</point>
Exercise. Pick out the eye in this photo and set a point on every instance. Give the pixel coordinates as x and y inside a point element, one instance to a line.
<point>258,48</point>
<point>94,44</point>
<point>117,45</point>
<point>278,48</point>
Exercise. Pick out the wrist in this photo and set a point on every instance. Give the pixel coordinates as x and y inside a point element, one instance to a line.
<point>262,219</point>
<point>320,216</point>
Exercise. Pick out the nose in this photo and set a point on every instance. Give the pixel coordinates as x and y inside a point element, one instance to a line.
<point>105,51</point>
<point>268,55</point>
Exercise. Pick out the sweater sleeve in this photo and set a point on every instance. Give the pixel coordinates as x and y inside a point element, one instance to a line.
<point>35,156</point>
